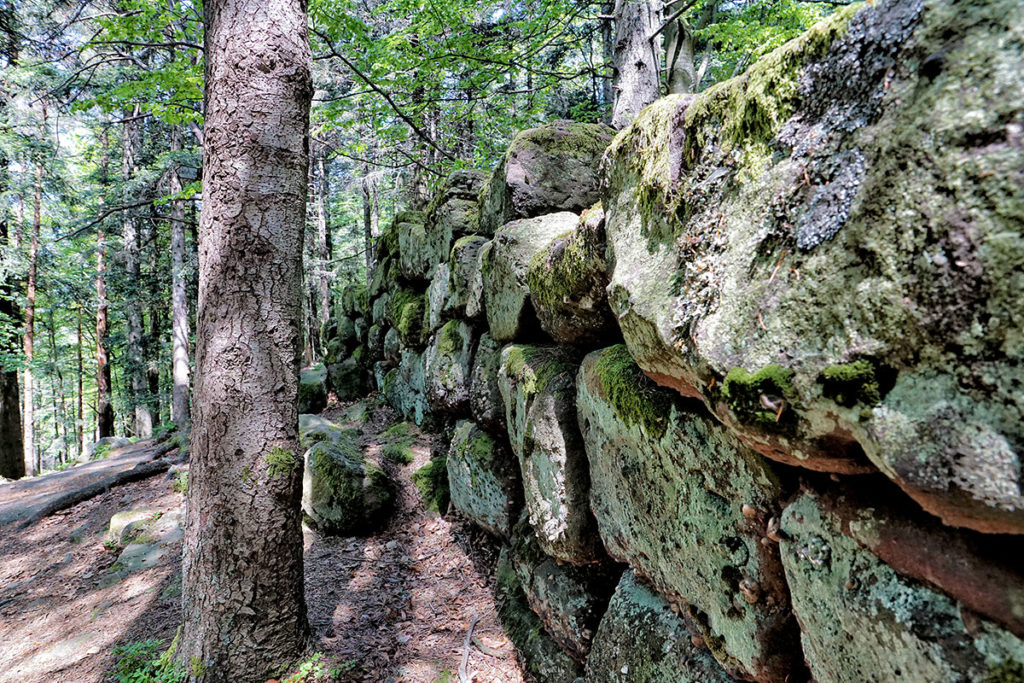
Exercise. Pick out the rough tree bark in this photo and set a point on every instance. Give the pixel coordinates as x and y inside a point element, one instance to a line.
<point>636,78</point>
<point>104,405</point>
<point>28,340</point>
<point>12,461</point>
<point>143,419</point>
<point>80,422</point>
<point>323,235</point>
<point>243,604</point>
<point>180,371</point>
<point>682,73</point>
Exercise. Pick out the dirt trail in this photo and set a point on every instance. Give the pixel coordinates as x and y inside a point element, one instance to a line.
<point>393,607</point>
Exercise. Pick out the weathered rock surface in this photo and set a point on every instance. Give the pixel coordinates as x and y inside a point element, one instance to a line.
<point>569,600</point>
<point>547,169</point>
<point>347,378</point>
<point>312,390</point>
<point>392,345</point>
<point>475,283</point>
<point>406,315</point>
<point>567,282</point>
<point>540,654</point>
<point>851,254</point>
<point>642,639</point>
<point>342,492</point>
<point>483,477</point>
<point>466,276</point>
<point>405,388</point>
<point>538,387</point>
<point>447,363</point>
<point>505,265</point>
<point>437,299</point>
<point>686,505</point>
<point>418,254</point>
<point>862,621</point>
<point>102,447</point>
<point>485,399</point>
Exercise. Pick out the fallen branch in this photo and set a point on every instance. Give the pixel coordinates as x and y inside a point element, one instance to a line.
<point>487,649</point>
<point>72,498</point>
<point>463,676</point>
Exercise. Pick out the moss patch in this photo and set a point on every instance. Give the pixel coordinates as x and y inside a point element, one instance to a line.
<point>280,463</point>
<point>432,482</point>
<point>566,138</point>
<point>450,341</point>
<point>851,384</point>
<point>763,398</point>
<point>533,367</point>
<point>407,310</point>
<point>1009,671</point>
<point>637,399</point>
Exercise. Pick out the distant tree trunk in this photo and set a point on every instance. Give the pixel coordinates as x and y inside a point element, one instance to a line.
<point>28,413</point>
<point>80,422</point>
<point>182,413</point>
<point>637,63</point>
<point>243,597</point>
<point>138,390</point>
<point>366,186</point>
<point>607,56</point>
<point>323,236</point>
<point>60,426</point>
<point>104,405</point>
<point>12,453</point>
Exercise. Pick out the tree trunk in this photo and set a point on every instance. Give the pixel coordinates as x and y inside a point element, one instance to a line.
<point>12,460</point>
<point>323,237</point>
<point>607,56</point>
<point>682,74</point>
<point>182,413</point>
<point>243,601</point>
<point>80,422</point>
<point>28,413</point>
<point>104,405</point>
<point>637,63</point>
<point>138,390</point>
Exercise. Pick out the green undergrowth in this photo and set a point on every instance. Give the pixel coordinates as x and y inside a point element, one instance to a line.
<point>637,399</point>
<point>145,662</point>
<point>432,482</point>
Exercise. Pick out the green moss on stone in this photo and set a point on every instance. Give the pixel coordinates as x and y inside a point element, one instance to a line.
<point>763,398</point>
<point>450,341</point>
<point>533,367</point>
<point>280,463</point>
<point>407,310</point>
<point>432,482</point>
<point>851,383</point>
<point>1008,671</point>
<point>577,140</point>
<point>636,398</point>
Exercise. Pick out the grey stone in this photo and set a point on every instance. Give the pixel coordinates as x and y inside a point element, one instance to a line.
<point>483,477</point>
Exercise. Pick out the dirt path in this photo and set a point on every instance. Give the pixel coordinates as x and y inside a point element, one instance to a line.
<point>393,607</point>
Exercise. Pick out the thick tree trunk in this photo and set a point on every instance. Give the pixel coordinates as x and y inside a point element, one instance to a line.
<point>607,56</point>
<point>682,74</point>
<point>180,371</point>
<point>28,412</point>
<point>243,601</point>
<point>12,461</point>
<point>104,405</point>
<point>143,422</point>
<point>637,62</point>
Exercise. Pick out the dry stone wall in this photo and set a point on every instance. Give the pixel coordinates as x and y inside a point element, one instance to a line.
<point>739,390</point>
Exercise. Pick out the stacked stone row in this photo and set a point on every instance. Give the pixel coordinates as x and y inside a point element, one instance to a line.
<point>755,415</point>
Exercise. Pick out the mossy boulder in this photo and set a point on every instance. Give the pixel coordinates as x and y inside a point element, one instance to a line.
<point>353,299</point>
<point>379,280</point>
<point>312,397</point>
<point>539,653</point>
<point>547,169</point>
<point>686,504</point>
<point>347,379</point>
<point>314,429</point>
<point>475,283</point>
<point>125,525</point>
<point>375,342</point>
<point>405,390</point>
<point>438,300</point>
<point>845,211</point>
<point>505,265</point>
<point>392,345</point>
<point>538,388</point>
<point>335,352</point>
<point>406,315</point>
<point>569,600</point>
<point>485,401</point>
<point>642,639</point>
<point>431,481</point>
<point>103,448</point>
<point>379,308</point>
<point>862,621</point>
<point>466,277</point>
<point>347,336</point>
<point>567,282</point>
<point>447,364</point>
<point>343,493</point>
<point>483,477</point>
<point>419,253</point>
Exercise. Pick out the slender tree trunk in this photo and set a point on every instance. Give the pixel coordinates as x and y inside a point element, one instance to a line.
<point>138,390</point>
<point>182,413</point>
<point>636,60</point>
<point>323,237</point>
<point>243,600</point>
<point>80,422</point>
<point>60,427</point>
<point>28,413</point>
<point>682,73</point>
<point>368,234</point>
<point>104,404</point>
<point>12,453</point>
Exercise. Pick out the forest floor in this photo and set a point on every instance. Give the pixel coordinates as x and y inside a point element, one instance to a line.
<point>396,606</point>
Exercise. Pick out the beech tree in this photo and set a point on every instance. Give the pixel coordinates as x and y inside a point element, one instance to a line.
<point>243,604</point>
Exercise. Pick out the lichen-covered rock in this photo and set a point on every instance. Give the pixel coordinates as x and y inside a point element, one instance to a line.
<point>567,282</point>
<point>847,278</point>
<point>353,299</point>
<point>505,265</point>
<point>375,341</point>
<point>406,315</point>
<point>335,352</point>
<point>347,379</point>
<point>641,640</point>
<point>312,397</point>
<point>347,336</point>
<point>547,169</point>
<point>485,401</point>
<point>447,362</point>
<point>438,297</point>
<point>569,600</point>
<point>861,621</point>
<point>475,283</point>
<point>466,276</point>
<point>539,653</point>
<point>538,388</point>
<point>392,345</point>
<point>405,390</point>
<point>313,429</point>
<point>483,477</point>
<point>431,481</point>
<point>686,505</point>
<point>342,492</point>
<point>103,447</point>
<point>419,252</point>
<point>379,309</point>
<point>360,328</point>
